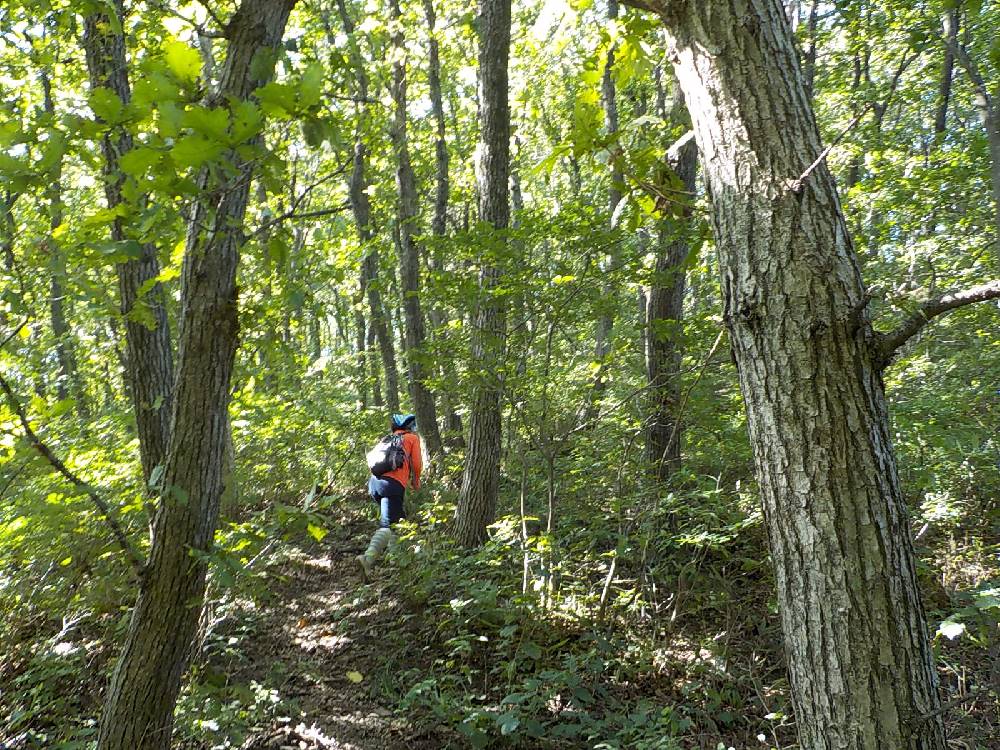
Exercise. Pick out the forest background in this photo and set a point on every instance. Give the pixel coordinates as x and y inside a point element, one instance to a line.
<point>624,596</point>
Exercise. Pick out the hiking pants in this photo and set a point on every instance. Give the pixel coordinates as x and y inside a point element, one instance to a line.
<point>388,493</point>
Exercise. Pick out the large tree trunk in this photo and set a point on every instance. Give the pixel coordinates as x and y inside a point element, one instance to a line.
<point>409,255</point>
<point>138,714</point>
<point>149,350</point>
<point>361,208</point>
<point>665,314</point>
<point>859,659</point>
<point>481,478</point>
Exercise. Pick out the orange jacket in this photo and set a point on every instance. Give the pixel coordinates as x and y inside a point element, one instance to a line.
<point>414,460</point>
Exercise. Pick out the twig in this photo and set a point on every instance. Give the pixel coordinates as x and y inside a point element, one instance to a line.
<point>305,215</point>
<point>135,560</point>
<point>946,707</point>
<point>796,185</point>
<point>14,333</point>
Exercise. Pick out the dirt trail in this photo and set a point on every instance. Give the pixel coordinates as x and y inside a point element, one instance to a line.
<point>324,629</point>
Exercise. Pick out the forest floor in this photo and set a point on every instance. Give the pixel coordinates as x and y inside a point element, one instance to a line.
<point>327,641</point>
<point>323,630</point>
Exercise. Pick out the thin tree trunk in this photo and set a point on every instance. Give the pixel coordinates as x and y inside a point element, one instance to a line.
<point>859,658</point>
<point>361,208</point>
<point>665,316</point>
<point>409,256</point>
<point>68,378</point>
<point>8,229</point>
<point>480,480</point>
<point>442,189</point>
<point>950,22</point>
<point>138,713</point>
<point>809,61</point>
<point>376,387</point>
<point>606,321</point>
<point>987,105</point>
<point>150,359</point>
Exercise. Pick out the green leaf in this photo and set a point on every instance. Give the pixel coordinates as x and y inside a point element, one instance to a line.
<point>277,99</point>
<point>209,122</point>
<point>355,677</point>
<point>312,132</point>
<point>262,64</point>
<point>508,723</point>
<point>277,250</point>
<point>61,407</point>
<point>119,251</point>
<point>106,105</point>
<point>311,85</point>
<point>247,122</point>
<point>317,533</point>
<point>531,650</point>
<point>155,476</point>
<point>139,160</point>
<point>194,150</point>
<point>184,61</point>
<point>169,119</point>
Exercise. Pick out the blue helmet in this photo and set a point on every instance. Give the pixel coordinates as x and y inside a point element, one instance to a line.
<point>404,421</point>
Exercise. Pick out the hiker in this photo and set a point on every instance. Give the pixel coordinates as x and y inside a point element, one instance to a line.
<point>392,462</point>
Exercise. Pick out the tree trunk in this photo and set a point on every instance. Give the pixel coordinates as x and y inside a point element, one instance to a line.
<point>150,358</point>
<point>809,59</point>
<point>950,22</point>
<point>68,378</point>
<point>138,714</point>
<point>361,208</point>
<point>409,255</point>
<point>860,664</point>
<point>480,480</point>
<point>442,189</point>
<point>606,321</point>
<point>665,315</point>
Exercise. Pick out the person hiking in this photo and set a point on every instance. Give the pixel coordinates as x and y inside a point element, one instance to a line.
<point>396,458</point>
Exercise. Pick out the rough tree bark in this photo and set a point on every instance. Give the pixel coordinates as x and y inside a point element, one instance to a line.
<point>361,208</point>
<point>149,356</point>
<point>481,478</point>
<point>666,311</point>
<point>409,249</point>
<point>138,713</point>
<point>859,659</point>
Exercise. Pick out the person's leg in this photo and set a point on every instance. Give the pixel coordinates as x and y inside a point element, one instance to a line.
<point>389,495</point>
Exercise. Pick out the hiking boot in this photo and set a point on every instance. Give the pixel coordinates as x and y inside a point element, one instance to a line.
<point>367,565</point>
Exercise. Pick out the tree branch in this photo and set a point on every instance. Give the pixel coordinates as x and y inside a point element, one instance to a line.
<point>971,69</point>
<point>135,560</point>
<point>301,215</point>
<point>892,341</point>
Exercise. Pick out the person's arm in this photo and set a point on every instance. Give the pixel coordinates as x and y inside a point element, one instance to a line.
<point>416,460</point>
